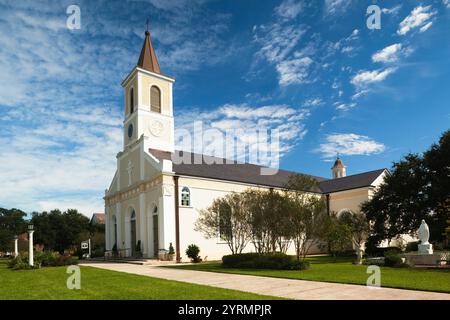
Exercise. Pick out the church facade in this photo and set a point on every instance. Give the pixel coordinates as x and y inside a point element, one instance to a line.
<point>153,202</point>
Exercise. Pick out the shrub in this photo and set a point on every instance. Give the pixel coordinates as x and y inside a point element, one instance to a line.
<point>21,263</point>
<point>374,261</point>
<point>192,253</point>
<point>277,261</point>
<point>171,249</point>
<point>412,246</point>
<point>380,252</point>
<point>392,259</point>
<point>44,259</point>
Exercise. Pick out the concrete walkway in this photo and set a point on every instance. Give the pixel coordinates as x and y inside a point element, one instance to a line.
<point>286,288</point>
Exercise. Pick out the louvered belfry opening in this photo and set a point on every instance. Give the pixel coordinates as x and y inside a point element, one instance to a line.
<point>155,99</point>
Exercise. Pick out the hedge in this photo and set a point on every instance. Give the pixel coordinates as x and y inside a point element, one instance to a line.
<point>277,261</point>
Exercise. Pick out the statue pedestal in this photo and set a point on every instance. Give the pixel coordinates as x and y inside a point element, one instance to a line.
<point>426,248</point>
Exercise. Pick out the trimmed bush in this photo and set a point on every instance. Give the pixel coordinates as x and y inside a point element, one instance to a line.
<point>276,261</point>
<point>192,252</point>
<point>412,246</point>
<point>392,259</point>
<point>374,261</point>
<point>380,252</point>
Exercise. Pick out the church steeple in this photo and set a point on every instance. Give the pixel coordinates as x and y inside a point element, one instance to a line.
<point>147,59</point>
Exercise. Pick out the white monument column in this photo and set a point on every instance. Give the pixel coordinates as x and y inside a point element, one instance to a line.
<point>16,246</point>
<point>30,245</point>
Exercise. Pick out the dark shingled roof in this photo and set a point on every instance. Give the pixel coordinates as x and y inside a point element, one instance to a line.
<point>217,168</point>
<point>350,182</point>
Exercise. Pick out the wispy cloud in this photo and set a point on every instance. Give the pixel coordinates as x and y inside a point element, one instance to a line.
<point>420,17</point>
<point>313,102</point>
<point>364,78</point>
<point>394,10</point>
<point>349,144</point>
<point>333,7</point>
<point>391,53</point>
<point>289,9</point>
<point>244,122</point>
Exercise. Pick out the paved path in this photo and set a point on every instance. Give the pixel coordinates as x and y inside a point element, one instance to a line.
<point>286,288</point>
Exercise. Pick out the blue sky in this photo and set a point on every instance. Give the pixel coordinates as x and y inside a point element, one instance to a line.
<point>311,69</point>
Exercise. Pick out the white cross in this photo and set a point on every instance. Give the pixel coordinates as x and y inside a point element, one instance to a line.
<point>130,171</point>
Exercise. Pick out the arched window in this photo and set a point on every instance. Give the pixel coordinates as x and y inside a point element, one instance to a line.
<point>133,216</point>
<point>131,100</point>
<point>185,197</point>
<point>155,99</point>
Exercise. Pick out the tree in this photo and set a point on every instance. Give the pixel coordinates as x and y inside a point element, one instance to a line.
<point>59,231</point>
<point>269,220</point>
<point>12,223</point>
<point>338,235</point>
<point>307,213</point>
<point>417,188</point>
<point>227,218</point>
<point>359,229</point>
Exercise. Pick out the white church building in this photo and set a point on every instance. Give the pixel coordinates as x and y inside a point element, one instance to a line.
<point>155,202</point>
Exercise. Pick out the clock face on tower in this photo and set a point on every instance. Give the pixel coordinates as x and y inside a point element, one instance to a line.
<point>130,130</point>
<point>156,128</point>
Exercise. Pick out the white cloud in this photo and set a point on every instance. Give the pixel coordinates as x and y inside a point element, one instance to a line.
<point>314,102</point>
<point>294,71</point>
<point>333,7</point>
<point>364,78</point>
<point>418,18</point>
<point>349,144</point>
<point>389,54</point>
<point>345,106</point>
<point>394,10</point>
<point>426,27</point>
<point>360,94</point>
<point>289,9</point>
<point>289,122</point>
<point>446,3</point>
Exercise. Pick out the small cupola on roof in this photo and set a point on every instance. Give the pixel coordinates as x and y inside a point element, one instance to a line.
<point>147,59</point>
<point>338,169</point>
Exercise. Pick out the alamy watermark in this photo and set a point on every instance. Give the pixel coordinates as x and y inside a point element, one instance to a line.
<point>230,146</point>
<point>74,280</point>
<point>374,17</point>
<point>374,280</point>
<point>73,21</point>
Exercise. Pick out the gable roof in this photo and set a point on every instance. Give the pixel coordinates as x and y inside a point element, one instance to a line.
<point>98,218</point>
<point>364,179</point>
<point>218,168</point>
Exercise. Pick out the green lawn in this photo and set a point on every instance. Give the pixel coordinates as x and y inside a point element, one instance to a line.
<point>50,283</point>
<point>343,271</point>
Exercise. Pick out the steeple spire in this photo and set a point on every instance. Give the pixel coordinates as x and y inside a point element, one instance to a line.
<point>147,59</point>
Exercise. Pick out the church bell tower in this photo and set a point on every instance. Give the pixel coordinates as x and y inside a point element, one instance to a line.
<point>148,102</point>
<point>338,170</point>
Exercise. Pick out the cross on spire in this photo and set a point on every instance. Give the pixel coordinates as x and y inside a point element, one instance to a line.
<point>146,23</point>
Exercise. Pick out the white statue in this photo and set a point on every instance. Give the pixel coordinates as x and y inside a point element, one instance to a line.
<point>424,235</point>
